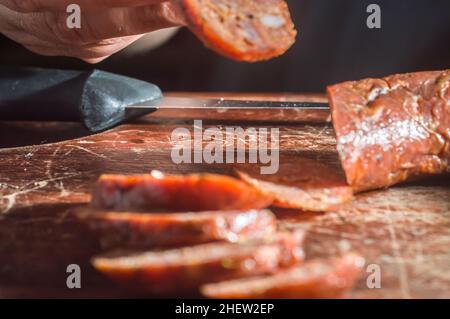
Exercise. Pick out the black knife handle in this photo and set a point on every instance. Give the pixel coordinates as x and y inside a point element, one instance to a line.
<point>98,99</point>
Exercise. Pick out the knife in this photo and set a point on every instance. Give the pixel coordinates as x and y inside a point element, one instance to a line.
<point>101,100</point>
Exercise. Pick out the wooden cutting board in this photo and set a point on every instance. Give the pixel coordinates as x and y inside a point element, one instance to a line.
<point>405,229</point>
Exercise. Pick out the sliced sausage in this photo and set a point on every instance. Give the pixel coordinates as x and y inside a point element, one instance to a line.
<point>176,193</point>
<point>313,279</point>
<point>244,30</point>
<point>392,129</point>
<point>301,183</point>
<point>139,230</point>
<point>184,270</point>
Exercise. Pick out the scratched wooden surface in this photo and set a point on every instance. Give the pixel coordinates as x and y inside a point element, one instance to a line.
<point>405,230</point>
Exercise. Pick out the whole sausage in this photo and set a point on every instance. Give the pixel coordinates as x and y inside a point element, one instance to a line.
<point>392,129</point>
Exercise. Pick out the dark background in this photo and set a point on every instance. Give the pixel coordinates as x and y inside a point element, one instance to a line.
<point>334,44</point>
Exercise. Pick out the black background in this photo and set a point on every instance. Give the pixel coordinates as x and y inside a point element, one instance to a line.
<point>334,45</point>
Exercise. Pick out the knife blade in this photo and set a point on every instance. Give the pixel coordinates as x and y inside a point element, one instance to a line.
<point>101,100</point>
<point>224,104</point>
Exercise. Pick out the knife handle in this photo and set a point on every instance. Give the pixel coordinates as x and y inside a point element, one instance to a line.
<point>98,99</point>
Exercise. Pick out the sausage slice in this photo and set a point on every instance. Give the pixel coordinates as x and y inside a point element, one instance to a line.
<point>301,183</point>
<point>185,269</point>
<point>313,279</point>
<point>243,30</point>
<point>139,230</point>
<point>176,193</point>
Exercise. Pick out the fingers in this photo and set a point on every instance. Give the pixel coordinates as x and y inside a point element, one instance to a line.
<point>61,5</point>
<point>101,33</point>
<point>130,21</point>
<point>96,27</point>
<point>90,53</point>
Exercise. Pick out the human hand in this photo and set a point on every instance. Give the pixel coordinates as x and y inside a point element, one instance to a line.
<point>107,26</point>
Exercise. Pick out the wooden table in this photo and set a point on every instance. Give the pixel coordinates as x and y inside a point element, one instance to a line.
<point>404,229</point>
